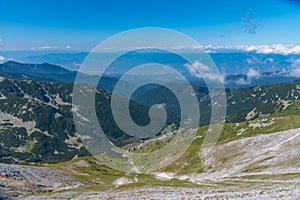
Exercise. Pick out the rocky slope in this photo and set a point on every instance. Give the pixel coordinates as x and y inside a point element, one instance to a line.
<point>16,180</point>
<point>36,121</point>
<point>264,166</point>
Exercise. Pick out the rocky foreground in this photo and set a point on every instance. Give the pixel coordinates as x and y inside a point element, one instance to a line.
<point>266,166</point>
<point>178,193</point>
<point>16,180</point>
<point>26,182</point>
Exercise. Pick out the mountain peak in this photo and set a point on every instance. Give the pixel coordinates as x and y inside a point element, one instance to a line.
<point>34,68</point>
<point>11,62</point>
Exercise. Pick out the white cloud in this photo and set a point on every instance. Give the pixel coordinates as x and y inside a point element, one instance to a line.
<point>250,23</point>
<point>278,49</point>
<point>242,81</point>
<point>45,47</point>
<point>76,64</point>
<point>213,77</point>
<point>68,46</point>
<point>284,49</point>
<point>294,70</point>
<point>199,70</point>
<point>2,58</point>
<point>252,60</point>
<point>270,60</point>
<point>200,66</point>
<point>251,74</point>
<point>193,71</point>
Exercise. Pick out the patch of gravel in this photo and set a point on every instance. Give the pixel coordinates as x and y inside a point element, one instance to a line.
<point>22,180</point>
<point>175,193</point>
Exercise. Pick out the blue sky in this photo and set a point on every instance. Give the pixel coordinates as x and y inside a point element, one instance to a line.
<point>80,25</point>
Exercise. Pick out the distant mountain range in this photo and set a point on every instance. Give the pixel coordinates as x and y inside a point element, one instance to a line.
<point>239,69</point>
